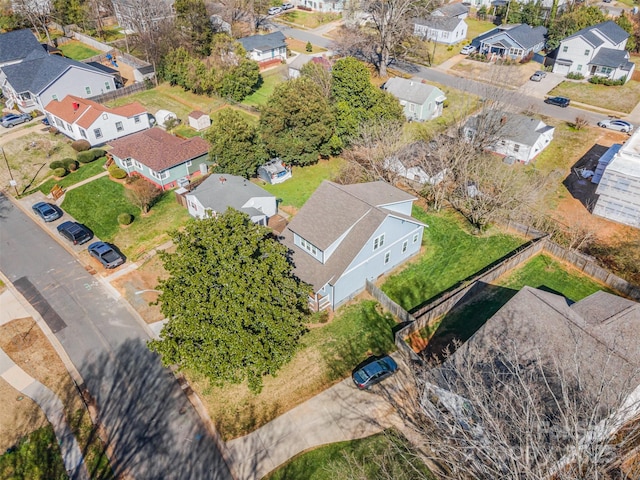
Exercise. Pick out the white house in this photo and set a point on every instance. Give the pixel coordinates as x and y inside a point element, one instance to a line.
<point>511,134</point>
<point>262,48</point>
<point>415,163</point>
<point>221,191</point>
<point>458,10</point>
<point>296,65</point>
<point>619,188</point>
<point>420,101</point>
<point>325,6</point>
<point>597,50</point>
<point>440,29</point>
<point>79,118</point>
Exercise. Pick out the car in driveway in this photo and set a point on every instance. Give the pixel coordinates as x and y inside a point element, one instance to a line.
<point>374,372</point>
<point>274,10</point>
<point>616,124</point>
<point>287,6</point>
<point>537,76</point>
<point>75,232</point>
<point>468,49</point>
<point>106,254</point>
<point>13,119</point>
<point>46,211</point>
<point>559,101</point>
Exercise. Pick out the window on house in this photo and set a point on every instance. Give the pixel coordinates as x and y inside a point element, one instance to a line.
<point>386,257</point>
<point>412,107</point>
<point>309,247</point>
<point>606,70</point>
<point>404,246</point>
<point>189,163</point>
<point>136,119</point>
<point>160,176</point>
<point>587,52</point>
<point>445,34</point>
<point>119,126</point>
<point>503,142</point>
<point>137,164</point>
<point>378,242</point>
<point>69,127</point>
<point>54,97</point>
<point>105,116</point>
<point>83,133</point>
<point>415,238</point>
<point>516,148</point>
<point>127,163</point>
<point>565,49</point>
<point>88,90</point>
<point>107,86</point>
<point>97,132</point>
<point>579,68</point>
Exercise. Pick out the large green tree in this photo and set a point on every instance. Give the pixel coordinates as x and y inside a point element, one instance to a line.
<point>235,309</point>
<point>631,28</point>
<point>297,123</point>
<point>193,21</point>
<point>570,22</point>
<point>236,147</point>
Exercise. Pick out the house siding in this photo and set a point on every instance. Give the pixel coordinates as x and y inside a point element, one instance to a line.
<point>280,52</point>
<point>442,36</point>
<point>74,82</point>
<point>107,127</point>
<point>176,172</point>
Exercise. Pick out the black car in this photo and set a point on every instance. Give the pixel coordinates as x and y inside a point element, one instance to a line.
<point>46,211</point>
<point>75,232</point>
<point>374,372</point>
<point>106,254</point>
<point>559,101</point>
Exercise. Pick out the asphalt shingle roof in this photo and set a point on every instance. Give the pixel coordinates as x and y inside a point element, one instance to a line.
<point>452,9</point>
<point>609,29</point>
<point>512,126</point>
<point>527,36</point>
<point>263,42</point>
<point>445,24</point>
<point>411,90</point>
<point>610,57</point>
<point>18,45</point>
<point>221,191</point>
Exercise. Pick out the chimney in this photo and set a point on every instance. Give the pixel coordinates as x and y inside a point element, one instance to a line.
<point>76,106</point>
<point>222,180</point>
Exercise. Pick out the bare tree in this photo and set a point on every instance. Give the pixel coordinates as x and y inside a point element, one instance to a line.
<point>38,12</point>
<point>142,194</point>
<point>320,75</point>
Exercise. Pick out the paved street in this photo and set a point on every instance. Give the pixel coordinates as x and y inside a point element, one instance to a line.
<point>153,430</point>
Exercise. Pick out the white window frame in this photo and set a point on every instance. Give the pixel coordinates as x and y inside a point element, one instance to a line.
<point>137,164</point>
<point>415,237</point>
<point>83,133</point>
<point>159,176</point>
<point>107,86</point>
<point>97,132</point>
<point>87,90</point>
<point>136,119</point>
<point>127,163</point>
<point>309,247</point>
<point>405,245</point>
<point>565,49</point>
<point>119,127</point>
<point>378,242</point>
<point>387,257</point>
<point>189,163</point>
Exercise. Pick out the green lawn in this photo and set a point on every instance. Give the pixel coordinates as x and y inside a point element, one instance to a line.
<point>308,19</point>
<point>37,457</point>
<point>384,455</point>
<point>451,254</point>
<point>85,171</point>
<point>78,50</point>
<point>295,191</point>
<point>271,78</point>
<point>620,98</point>
<point>542,271</point>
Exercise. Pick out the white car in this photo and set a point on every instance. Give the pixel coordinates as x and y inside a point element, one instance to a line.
<point>615,124</point>
<point>274,10</point>
<point>287,6</point>
<point>467,49</point>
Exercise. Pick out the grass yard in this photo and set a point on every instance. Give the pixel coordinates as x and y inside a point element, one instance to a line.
<point>98,204</point>
<point>78,50</point>
<point>617,98</point>
<point>301,47</point>
<point>328,353</point>
<point>542,271</point>
<point>271,79</point>
<point>86,170</point>
<point>451,254</point>
<point>295,191</point>
<point>475,27</point>
<point>308,19</point>
<point>184,130</point>
<point>37,457</point>
<point>385,455</point>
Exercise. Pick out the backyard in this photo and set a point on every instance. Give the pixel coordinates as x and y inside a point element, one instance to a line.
<point>270,79</point>
<point>620,98</point>
<point>78,50</point>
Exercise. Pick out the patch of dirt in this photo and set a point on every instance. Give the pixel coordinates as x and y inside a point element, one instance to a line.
<point>512,75</point>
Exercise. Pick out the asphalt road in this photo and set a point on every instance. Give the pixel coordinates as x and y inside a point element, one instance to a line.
<point>153,429</point>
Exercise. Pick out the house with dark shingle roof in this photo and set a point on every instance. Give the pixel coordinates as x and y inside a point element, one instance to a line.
<point>419,100</point>
<point>222,191</point>
<point>262,48</point>
<point>511,134</point>
<point>163,159</point>
<point>30,80</point>
<point>597,50</point>
<point>440,29</point>
<point>79,118</point>
<point>458,10</point>
<point>512,41</point>
<point>347,234</point>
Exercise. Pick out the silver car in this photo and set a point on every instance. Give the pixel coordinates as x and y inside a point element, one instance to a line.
<point>616,124</point>
<point>13,119</point>
<point>537,76</point>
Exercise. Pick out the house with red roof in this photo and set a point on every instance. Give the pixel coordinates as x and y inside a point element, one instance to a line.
<point>164,159</point>
<point>79,118</point>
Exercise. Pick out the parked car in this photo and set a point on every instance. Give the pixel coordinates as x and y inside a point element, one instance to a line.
<point>13,119</point>
<point>616,124</point>
<point>274,10</point>
<point>45,121</point>
<point>537,76</point>
<point>468,49</point>
<point>106,255</point>
<point>287,6</point>
<point>46,211</point>
<point>559,101</point>
<point>374,372</point>
<point>75,232</point>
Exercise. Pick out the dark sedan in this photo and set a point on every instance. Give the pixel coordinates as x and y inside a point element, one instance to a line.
<point>106,255</point>
<point>559,101</point>
<point>46,211</point>
<point>374,372</point>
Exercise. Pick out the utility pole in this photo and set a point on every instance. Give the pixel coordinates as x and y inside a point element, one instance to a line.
<point>12,182</point>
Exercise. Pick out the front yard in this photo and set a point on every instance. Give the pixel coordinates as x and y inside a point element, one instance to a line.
<point>620,98</point>
<point>306,19</point>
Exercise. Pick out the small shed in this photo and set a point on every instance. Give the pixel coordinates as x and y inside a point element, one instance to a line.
<point>274,171</point>
<point>199,120</point>
<point>162,116</point>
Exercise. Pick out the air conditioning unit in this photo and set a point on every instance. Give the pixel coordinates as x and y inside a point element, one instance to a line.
<point>182,182</point>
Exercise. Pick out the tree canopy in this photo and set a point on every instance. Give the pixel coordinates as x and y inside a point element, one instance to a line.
<point>570,22</point>
<point>235,310</point>
<point>193,20</point>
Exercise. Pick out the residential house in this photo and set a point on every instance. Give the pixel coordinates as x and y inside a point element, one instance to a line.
<point>415,163</point>
<point>295,67</point>
<point>512,41</point>
<point>262,48</point>
<point>457,10</point>
<point>591,344</point>
<point>619,188</point>
<point>79,118</point>
<point>30,78</point>
<point>274,171</point>
<point>347,234</point>
<point>510,134</point>
<point>597,50</point>
<point>136,16</point>
<point>219,24</point>
<point>199,120</point>
<point>163,159</point>
<point>440,29</point>
<point>419,100</point>
<point>325,6</point>
<point>222,191</point>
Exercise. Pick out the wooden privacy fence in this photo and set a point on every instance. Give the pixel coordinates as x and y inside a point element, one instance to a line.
<point>121,92</point>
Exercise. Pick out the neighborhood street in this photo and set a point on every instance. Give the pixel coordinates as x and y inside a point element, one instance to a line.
<point>153,430</point>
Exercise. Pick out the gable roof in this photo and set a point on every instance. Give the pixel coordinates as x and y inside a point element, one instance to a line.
<point>512,126</point>
<point>333,210</point>
<point>263,43</point>
<point>300,61</point>
<point>158,149</point>
<point>36,74</point>
<point>452,9</point>
<point>18,45</point>
<point>445,24</point>
<point>524,35</point>
<point>221,191</point>
<point>411,90</point>
<point>610,57</point>
<point>610,30</point>
<point>88,111</point>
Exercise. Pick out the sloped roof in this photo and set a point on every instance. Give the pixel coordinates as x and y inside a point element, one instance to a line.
<point>263,43</point>
<point>510,126</point>
<point>300,61</point>
<point>445,24</point>
<point>452,9</point>
<point>333,211</point>
<point>411,90</point>
<point>88,111</point>
<point>609,30</point>
<point>610,57</point>
<point>35,75</point>
<point>158,149</point>
<point>524,35</point>
<point>221,191</point>
<point>18,45</point>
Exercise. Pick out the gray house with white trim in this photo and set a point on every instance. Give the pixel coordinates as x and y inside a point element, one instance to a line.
<point>458,10</point>
<point>512,41</point>
<point>440,29</point>
<point>420,101</point>
<point>347,234</point>
<point>262,48</point>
